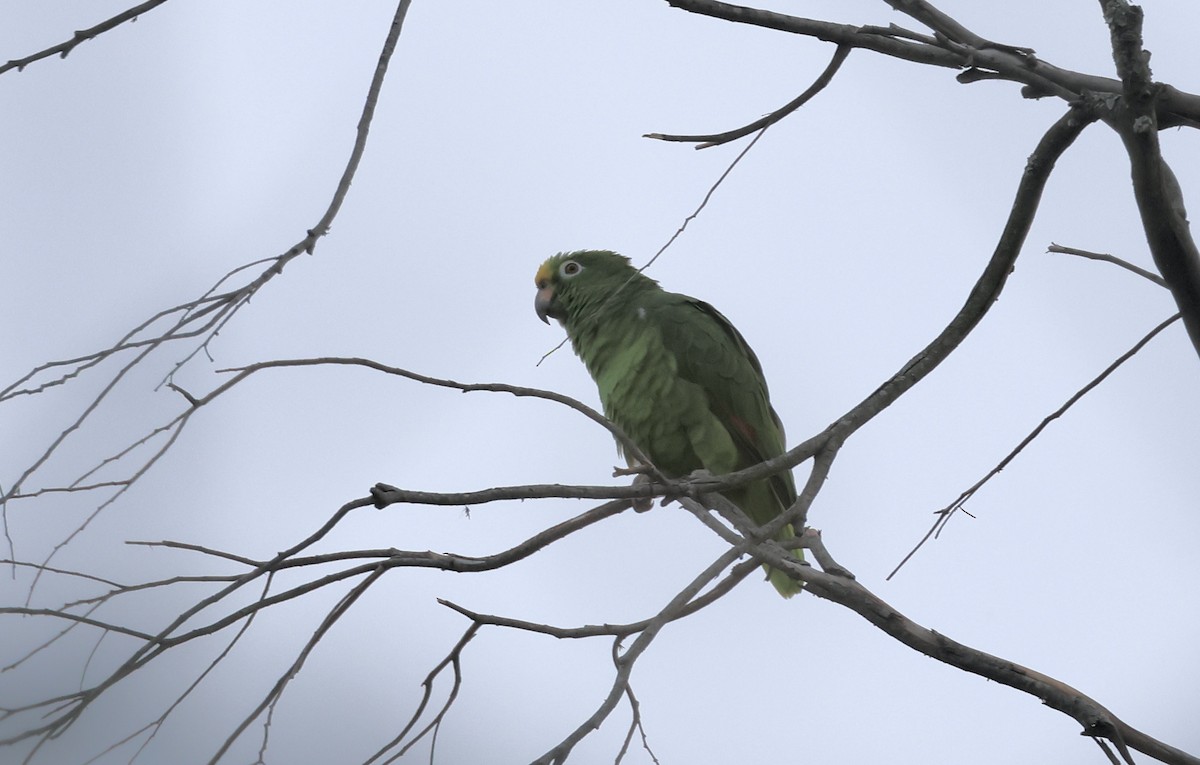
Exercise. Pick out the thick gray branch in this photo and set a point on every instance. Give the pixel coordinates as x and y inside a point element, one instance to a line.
<point>955,48</point>
<point>1159,197</point>
<point>1096,719</point>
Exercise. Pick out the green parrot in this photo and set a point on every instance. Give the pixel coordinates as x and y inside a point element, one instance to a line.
<point>674,375</point>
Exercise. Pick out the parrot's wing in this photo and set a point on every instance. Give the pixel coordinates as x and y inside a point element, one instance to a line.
<point>713,354</point>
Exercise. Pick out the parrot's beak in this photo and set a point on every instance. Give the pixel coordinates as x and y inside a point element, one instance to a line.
<point>543,304</point>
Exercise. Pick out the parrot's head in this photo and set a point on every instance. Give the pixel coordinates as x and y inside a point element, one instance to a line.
<point>570,282</point>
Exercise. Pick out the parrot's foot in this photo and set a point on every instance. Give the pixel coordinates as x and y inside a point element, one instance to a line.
<point>642,504</point>
<point>641,475</point>
<point>697,481</point>
<point>810,540</point>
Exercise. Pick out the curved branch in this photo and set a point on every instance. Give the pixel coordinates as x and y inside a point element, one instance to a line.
<point>991,282</point>
<point>736,575</point>
<point>716,139</point>
<point>980,299</point>
<point>515,390</point>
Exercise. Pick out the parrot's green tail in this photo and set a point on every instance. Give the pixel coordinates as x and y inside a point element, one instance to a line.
<point>786,585</point>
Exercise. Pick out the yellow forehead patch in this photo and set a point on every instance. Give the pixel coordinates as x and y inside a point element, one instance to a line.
<point>544,273</point>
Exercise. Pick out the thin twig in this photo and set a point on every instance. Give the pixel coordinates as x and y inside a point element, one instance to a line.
<point>629,447</point>
<point>736,575</point>
<point>625,661</point>
<point>635,726</point>
<point>678,232</point>
<point>1057,248</point>
<point>277,690</point>
<point>452,660</point>
<point>64,48</point>
<point>223,309</point>
<point>944,515</point>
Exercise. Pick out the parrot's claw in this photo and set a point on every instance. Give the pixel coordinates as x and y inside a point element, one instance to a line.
<point>641,474</point>
<point>642,504</point>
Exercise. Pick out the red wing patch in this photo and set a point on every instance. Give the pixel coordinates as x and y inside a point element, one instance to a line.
<point>746,429</point>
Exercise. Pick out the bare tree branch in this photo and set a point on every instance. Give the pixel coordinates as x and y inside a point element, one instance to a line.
<point>980,299</point>
<point>1095,719</point>
<point>624,661</point>
<point>635,726</point>
<point>1159,197</point>
<point>1108,259</point>
<point>954,47</point>
<point>943,516</point>
<point>156,724</point>
<point>222,308</point>
<point>64,48</point>
<point>950,44</point>
<point>520,392</point>
<point>841,587</point>
<point>60,614</point>
<point>452,660</point>
<point>334,614</point>
<point>736,575</point>
<point>716,139</point>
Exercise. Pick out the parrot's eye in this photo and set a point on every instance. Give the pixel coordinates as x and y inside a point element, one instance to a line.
<point>570,268</point>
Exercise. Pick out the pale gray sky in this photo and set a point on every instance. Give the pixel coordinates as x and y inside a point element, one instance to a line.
<point>163,154</point>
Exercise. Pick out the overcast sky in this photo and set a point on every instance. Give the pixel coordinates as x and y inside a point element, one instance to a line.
<point>158,157</point>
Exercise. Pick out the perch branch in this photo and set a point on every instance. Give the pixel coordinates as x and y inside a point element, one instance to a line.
<point>844,590</point>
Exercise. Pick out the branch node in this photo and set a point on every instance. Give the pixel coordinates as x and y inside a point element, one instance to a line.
<point>379,495</point>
